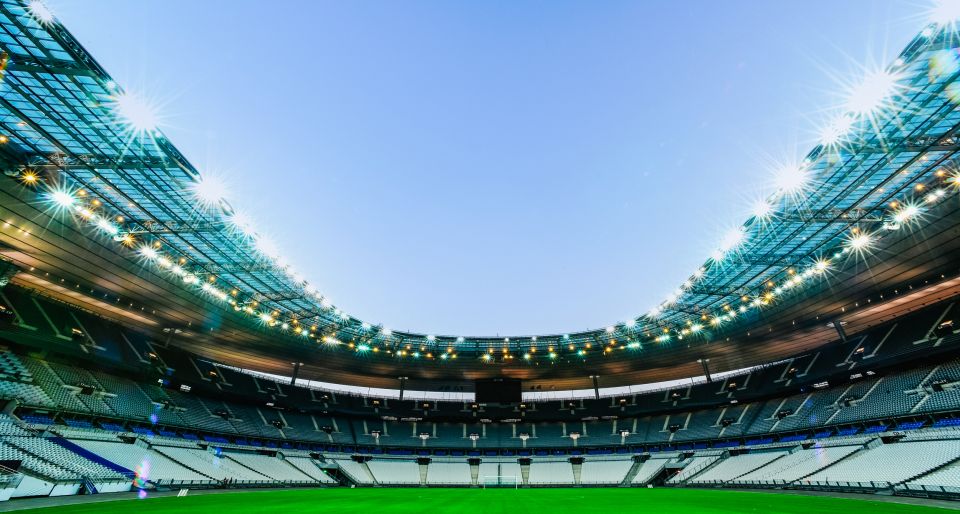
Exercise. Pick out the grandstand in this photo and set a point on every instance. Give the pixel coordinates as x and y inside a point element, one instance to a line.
<point>146,346</point>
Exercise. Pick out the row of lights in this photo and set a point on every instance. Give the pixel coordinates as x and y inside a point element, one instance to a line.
<point>858,243</point>
<point>138,117</point>
<point>873,94</point>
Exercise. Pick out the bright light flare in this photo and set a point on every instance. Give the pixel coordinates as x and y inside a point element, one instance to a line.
<point>209,190</point>
<point>108,227</point>
<point>29,178</point>
<point>870,94</point>
<point>40,12</point>
<point>63,199</point>
<point>821,265</point>
<point>792,179</point>
<point>732,239</point>
<point>267,247</point>
<point>242,223</point>
<point>762,209</point>
<point>945,12</point>
<point>148,252</point>
<point>860,242</point>
<point>136,112</point>
<point>906,213</point>
<point>836,130</point>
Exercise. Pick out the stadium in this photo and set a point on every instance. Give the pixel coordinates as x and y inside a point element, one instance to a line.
<point>157,353</point>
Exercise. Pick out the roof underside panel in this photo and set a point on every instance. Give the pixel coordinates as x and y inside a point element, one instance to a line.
<point>59,110</point>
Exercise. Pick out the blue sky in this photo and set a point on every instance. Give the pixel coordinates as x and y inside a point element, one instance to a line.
<point>493,168</point>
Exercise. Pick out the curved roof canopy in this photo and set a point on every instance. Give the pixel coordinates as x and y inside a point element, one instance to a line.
<point>93,157</point>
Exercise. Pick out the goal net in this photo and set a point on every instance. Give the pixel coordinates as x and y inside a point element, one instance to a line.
<point>500,481</point>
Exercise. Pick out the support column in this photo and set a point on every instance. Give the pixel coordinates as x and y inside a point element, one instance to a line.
<point>838,326</point>
<point>296,372</point>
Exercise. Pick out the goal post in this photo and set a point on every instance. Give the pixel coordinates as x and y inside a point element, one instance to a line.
<point>500,481</point>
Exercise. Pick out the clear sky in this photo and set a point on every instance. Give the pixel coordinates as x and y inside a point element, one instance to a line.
<point>496,167</point>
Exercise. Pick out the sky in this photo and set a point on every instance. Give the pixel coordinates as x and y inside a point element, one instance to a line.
<point>498,167</point>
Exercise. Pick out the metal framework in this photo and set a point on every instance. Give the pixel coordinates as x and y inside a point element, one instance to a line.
<point>57,117</point>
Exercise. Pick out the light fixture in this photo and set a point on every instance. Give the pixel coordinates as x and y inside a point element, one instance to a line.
<point>877,89</point>
<point>108,227</point>
<point>63,198</point>
<point>135,112</point>
<point>40,12</point>
<point>148,252</point>
<point>945,12</point>
<point>836,130</point>
<point>266,246</point>
<point>210,190</point>
<point>762,209</point>
<point>906,213</point>
<point>791,179</point>
<point>821,265</point>
<point>242,223</point>
<point>732,239</point>
<point>29,177</point>
<point>860,241</point>
<point>869,95</point>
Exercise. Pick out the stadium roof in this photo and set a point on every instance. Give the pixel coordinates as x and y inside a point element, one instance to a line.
<point>91,161</point>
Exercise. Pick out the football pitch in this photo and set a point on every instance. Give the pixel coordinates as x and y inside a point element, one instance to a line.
<point>437,501</point>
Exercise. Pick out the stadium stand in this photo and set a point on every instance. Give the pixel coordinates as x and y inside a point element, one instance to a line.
<point>357,471</point>
<point>692,467</point>
<point>733,467</point>
<point>873,465</point>
<point>551,473</point>
<point>149,465</point>
<point>605,472</point>
<point>211,464</point>
<point>794,466</point>
<point>945,480</point>
<point>309,467</point>
<point>395,472</point>
<point>645,472</point>
<point>93,404</point>
<point>273,467</point>
<point>449,473</point>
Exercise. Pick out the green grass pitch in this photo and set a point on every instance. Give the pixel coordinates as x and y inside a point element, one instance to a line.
<point>460,501</point>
